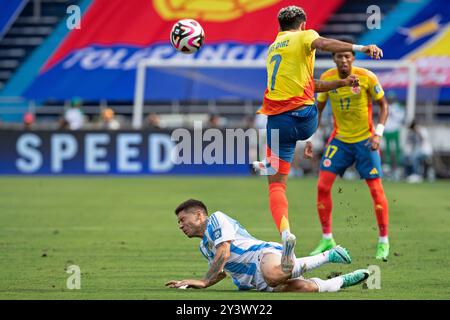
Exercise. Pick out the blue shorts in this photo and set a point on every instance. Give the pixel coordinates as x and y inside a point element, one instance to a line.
<point>338,156</point>
<point>292,126</point>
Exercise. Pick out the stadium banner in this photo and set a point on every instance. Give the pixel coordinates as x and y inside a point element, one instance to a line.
<point>99,60</point>
<point>424,39</point>
<point>9,11</point>
<point>163,152</point>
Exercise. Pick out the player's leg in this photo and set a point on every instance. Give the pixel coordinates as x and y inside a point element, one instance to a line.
<point>368,164</point>
<point>297,285</point>
<point>337,254</point>
<point>270,268</point>
<point>273,274</point>
<point>336,159</point>
<point>319,285</point>
<point>275,277</point>
<point>280,152</point>
<point>279,208</point>
<point>324,209</point>
<point>283,132</point>
<point>382,213</point>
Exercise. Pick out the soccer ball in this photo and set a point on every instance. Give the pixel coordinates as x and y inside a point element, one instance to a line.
<point>187,36</point>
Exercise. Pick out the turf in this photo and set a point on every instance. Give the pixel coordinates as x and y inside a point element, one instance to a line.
<point>123,235</point>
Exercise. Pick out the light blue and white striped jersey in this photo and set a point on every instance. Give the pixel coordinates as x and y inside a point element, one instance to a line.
<point>245,249</point>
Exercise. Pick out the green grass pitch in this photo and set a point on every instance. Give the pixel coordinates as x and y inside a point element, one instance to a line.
<point>123,235</point>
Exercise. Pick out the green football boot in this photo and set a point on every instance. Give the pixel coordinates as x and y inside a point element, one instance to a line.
<point>355,277</point>
<point>382,251</point>
<point>339,254</point>
<point>324,245</point>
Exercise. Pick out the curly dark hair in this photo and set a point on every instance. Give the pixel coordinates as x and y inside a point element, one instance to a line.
<point>191,204</point>
<point>291,17</point>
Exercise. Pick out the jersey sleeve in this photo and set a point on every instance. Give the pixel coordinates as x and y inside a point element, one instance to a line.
<point>222,229</point>
<point>308,37</point>
<point>375,88</point>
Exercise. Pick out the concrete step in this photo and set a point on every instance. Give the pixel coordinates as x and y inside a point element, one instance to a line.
<point>12,53</point>
<point>49,20</point>
<point>21,41</point>
<point>33,31</point>
<point>344,27</point>
<point>9,64</point>
<point>5,75</point>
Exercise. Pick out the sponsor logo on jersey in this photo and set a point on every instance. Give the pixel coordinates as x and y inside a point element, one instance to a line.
<point>374,171</point>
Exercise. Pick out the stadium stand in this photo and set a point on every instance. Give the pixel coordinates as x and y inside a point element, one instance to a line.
<point>36,22</point>
<point>32,30</point>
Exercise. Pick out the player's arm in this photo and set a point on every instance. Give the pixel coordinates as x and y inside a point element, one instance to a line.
<point>384,112</point>
<point>332,45</point>
<point>308,152</point>
<point>324,86</point>
<point>320,107</point>
<point>214,274</point>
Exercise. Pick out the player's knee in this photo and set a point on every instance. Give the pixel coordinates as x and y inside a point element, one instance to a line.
<point>273,277</point>
<point>309,286</point>
<point>278,178</point>
<point>274,281</point>
<point>323,187</point>
<point>305,286</point>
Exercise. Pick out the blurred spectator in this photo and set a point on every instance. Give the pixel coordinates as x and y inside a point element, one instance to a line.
<point>249,122</point>
<point>63,124</point>
<point>214,121</point>
<point>417,153</point>
<point>28,120</point>
<point>152,121</point>
<point>74,116</point>
<point>108,120</point>
<point>392,133</point>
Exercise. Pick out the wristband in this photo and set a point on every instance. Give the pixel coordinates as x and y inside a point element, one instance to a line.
<point>357,47</point>
<point>379,130</point>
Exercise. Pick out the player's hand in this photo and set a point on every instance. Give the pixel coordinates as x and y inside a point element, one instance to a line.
<point>351,81</point>
<point>373,51</point>
<point>308,151</point>
<point>196,284</point>
<point>374,142</point>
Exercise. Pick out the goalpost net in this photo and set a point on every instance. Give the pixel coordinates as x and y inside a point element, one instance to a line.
<point>247,79</point>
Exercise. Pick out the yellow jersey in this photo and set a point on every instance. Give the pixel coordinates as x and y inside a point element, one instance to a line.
<point>290,72</point>
<point>352,107</point>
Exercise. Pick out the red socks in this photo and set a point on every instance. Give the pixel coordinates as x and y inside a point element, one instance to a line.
<point>380,204</point>
<point>279,205</point>
<point>325,205</point>
<point>324,202</point>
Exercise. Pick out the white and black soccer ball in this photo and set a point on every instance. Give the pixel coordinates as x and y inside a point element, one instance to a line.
<point>187,36</point>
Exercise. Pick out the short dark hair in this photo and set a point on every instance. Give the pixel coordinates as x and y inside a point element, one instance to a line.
<point>191,204</point>
<point>291,17</point>
<point>348,40</point>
